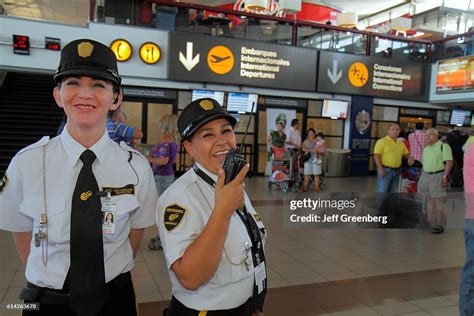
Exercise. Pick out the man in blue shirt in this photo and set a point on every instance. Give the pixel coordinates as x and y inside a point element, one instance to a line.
<point>118,130</point>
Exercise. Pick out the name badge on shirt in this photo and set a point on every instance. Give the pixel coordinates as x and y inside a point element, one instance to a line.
<point>260,276</point>
<point>109,210</point>
<point>128,189</point>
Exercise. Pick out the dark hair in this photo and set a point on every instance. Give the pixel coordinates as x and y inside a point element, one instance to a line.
<point>294,122</point>
<point>419,126</point>
<point>320,134</point>
<point>115,87</point>
<point>310,130</point>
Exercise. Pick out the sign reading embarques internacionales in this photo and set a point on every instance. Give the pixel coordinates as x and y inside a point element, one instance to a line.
<point>371,76</point>
<point>238,62</point>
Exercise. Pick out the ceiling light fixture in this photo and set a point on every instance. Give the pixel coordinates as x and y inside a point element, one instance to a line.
<point>256,5</point>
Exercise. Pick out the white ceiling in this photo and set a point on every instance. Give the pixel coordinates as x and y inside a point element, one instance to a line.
<point>77,11</point>
<point>67,11</point>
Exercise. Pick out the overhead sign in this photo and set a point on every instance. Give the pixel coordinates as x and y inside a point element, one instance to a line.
<point>146,92</point>
<point>283,102</point>
<point>362,75</point>
<point>232,61</point>
<point>417,112</point>
<point>122,49</point>
<point>455,75</point>
<point>150,53</point>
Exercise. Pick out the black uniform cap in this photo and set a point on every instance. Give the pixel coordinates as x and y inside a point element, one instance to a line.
<point>86,57</point>
<point>198,113</point>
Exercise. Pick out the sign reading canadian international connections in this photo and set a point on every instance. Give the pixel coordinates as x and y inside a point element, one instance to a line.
<point>239,62</point>
<point>372,76</point>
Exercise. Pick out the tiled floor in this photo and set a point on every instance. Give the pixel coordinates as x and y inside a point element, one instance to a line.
<point>315,271</point>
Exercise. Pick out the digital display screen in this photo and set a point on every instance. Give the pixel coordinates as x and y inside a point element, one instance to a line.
<point>52,43</point>
<point>455,75</point>
<point>460,117</point>
<point>216,95</point>
<point>241,102</point>
<point>21,44</point>
<point>335,109</point>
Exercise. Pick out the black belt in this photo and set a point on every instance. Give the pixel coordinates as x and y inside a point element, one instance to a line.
<point>392,168</point>
<point>34,293</point>
<point>178,308</point>
<point>436,172</point>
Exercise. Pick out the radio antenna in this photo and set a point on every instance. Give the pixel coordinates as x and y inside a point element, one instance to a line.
<point>246,130</point>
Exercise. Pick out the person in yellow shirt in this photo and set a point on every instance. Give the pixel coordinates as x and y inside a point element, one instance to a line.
<point>388,155</point>
<point>437,164</point>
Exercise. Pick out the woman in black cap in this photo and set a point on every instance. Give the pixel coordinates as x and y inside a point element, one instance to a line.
<point>56,191</point>
<point>212,237</point>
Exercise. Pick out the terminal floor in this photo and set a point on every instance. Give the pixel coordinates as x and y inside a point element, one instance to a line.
<point>314,271</point>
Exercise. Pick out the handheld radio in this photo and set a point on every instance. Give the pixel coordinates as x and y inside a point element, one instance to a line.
<point>234,161</point>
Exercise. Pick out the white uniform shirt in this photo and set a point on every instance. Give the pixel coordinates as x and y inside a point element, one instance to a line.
<point>21,202</point>
<point>232,284</point>
<point>293,136</point>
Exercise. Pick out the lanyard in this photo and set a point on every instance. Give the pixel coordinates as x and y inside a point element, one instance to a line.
<point>258,255</point>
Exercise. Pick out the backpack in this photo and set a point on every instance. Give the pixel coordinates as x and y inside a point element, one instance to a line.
<point>455,177</point>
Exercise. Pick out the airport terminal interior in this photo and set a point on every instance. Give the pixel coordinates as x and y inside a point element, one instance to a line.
<point>347,69</point>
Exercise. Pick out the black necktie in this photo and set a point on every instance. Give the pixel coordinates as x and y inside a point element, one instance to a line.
<point>87,275</point>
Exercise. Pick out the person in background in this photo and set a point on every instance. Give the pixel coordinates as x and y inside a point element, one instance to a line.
<point>55,192</point>
<point>293,136</point>
<point>320,147</point>
<point>403,137</point>
<point>466,292</point>
<point>310,166</point>
<point>163,158</point>
<point>213,239</point>
<point>293,143</point>
<point>469,141</point>
<point>388,155</point>
<point>118,130</point>
<point>437,163</point>
<point>417,141</point>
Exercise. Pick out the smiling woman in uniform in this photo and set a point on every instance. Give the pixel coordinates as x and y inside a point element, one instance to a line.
<point>212,237</point>
<point>56,192</point>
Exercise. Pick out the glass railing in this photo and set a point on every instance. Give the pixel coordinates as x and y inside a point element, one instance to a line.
<point>219,22</point>
<point>320,36</point>
<point>402,49</point>
<point>454,46</point>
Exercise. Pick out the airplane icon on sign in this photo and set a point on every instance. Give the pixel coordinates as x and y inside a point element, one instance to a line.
<point>217,59</point>
<point>354,70</point>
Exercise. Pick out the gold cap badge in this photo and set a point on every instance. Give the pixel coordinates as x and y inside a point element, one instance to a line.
<point>84,49</point>
<point>206,105</point>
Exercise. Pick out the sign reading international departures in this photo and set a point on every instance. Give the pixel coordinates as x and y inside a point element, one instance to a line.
<point>372,76</point>
<point>239,62</point>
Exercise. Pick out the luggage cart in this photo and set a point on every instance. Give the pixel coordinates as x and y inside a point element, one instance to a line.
<point>282,170</point>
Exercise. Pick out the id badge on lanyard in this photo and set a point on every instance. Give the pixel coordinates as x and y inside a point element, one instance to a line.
<point>109,211</point>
